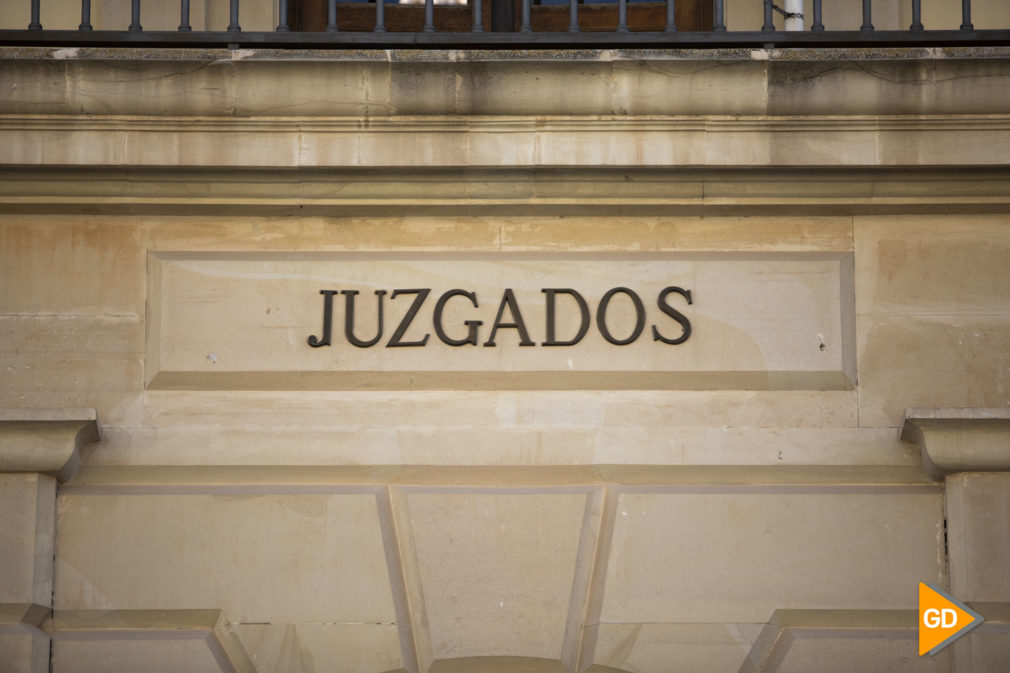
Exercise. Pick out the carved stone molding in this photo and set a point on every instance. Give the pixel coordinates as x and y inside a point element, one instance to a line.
<point>959,440</point>
<point>45,440</point>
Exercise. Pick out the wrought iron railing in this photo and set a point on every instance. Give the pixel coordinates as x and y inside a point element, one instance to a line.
<point>516,31</point>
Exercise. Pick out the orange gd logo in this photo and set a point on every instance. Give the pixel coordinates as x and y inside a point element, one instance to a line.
<point>942,619</point>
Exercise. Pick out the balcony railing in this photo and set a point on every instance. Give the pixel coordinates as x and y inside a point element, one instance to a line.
<point>510,24</point>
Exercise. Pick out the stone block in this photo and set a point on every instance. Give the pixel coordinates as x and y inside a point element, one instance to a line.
<point>498,427</point>
<point>150,87</point>
<point>987,648</point>
<point>650,648</point>
<point>24,651</point>
<point>677,555</point>
<point>129,655</point>
<point>70,265</point>
<point>978,535</point>
<point>305,648</point>
<point>35,85</point>
<point>932,265</point>
<point>259,556</point>
<point>496,570</point>
<point>858,652</point>
<point>879,87</point>
<point>27,533</point>
<point>930,361</point>
<point>977,141</point>
<point>330,88</point>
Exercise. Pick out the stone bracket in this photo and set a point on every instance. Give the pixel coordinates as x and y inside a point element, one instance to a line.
<point>45,440</point>
<point>959,440</point>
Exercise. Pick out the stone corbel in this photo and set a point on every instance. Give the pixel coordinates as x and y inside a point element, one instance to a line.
<point>47,441</point>
<point>959,440</point>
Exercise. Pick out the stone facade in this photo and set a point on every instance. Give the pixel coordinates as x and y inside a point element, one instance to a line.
<point>764,496</point>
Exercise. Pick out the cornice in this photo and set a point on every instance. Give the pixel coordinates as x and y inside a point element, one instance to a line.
<point>959,440</point>
<point>446,141</point>
<point>45,440</point>
<point>584,191</point>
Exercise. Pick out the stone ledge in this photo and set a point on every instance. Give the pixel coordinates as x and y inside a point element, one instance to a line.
<point>210,626</point>
<point>505,665</point>
<point>959,439</point>
<point>16,614</point>
<point>580,478</point>
<point>536,82</point>
<point>787,630</point>
<point>449,139</point>
<point>45,440</point>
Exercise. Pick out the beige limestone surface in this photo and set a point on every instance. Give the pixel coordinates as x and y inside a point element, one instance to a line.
<point>496,570</point>
<point>27,539</point>
<point>818,549</point>
<point>76,336</point>
<point>705,648</point>
<point>275,545</point>
<point>558,529</point>
<point>473,109</point>
<point>931,305</point>
<point>156,656</point>
<point>24,652</point>
<point>978,505</point>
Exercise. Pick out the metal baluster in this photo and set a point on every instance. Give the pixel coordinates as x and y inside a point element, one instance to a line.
<point>380,16</point>
<point>35,25</point>
<point>671,20</point>
<point>525,27</point>
<point>184,26</point>
<point>769,24</point>
<point>282,16</point>
<point>233,26</point>
<point>135,26</point>
<point>573,16</point>
<point>817,25</point>
<point>622,16</point>
<point>429,16</point>
<point>331,16</point>
<point>867,22</point>
<point>966,15</point>
<point>478,22</point>
<point>916,16</point>
<point>85,16</point>
<point>719,20</point>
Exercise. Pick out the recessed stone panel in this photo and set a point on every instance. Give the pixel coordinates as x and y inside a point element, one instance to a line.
<point>154,655</point>
<point>496,570</point>
<point>735,554</point>
<point>261,557</point>
<point>624,321</point>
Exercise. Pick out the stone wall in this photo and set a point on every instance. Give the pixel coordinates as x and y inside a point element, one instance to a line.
<point>706,508</point>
